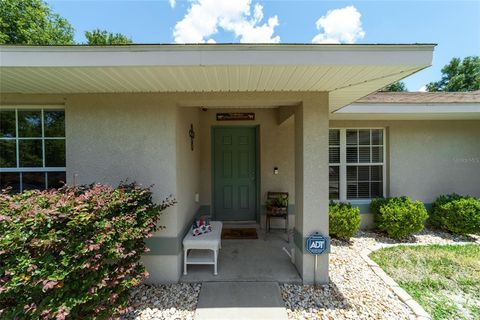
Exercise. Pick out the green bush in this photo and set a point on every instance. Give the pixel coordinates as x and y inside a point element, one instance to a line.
<point>399,217</point>
<point>456,214</point>
<point>73,252</point>
<point>435,219</point>
<point>344,220</point>
<point>377,203</point>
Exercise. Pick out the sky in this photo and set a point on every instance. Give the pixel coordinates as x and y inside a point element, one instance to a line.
<point>453,25</point>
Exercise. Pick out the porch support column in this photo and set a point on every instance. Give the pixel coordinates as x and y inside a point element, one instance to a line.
<point>311,183</point>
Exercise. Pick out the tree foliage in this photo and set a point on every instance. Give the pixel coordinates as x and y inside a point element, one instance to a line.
<point>459,75</point>
<point>398,86</point>
<point>32,22</point>
<point>99,37</point>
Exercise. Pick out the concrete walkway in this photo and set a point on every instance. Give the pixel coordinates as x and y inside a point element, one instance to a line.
<point>249,260</point>
<point>240,301</point>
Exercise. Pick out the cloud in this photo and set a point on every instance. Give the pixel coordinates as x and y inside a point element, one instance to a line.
<point>340,26</point>
<point>172,3</point>
<point>204,18</point>
<point>422,89</point>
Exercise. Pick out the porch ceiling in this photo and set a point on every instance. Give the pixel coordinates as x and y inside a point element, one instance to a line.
<point>347,72</point>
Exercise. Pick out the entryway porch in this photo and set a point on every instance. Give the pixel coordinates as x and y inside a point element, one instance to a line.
<point>231,166</point>
<point>262,259</point>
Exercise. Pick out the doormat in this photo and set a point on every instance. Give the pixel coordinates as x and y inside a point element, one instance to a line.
<point>239,233</point>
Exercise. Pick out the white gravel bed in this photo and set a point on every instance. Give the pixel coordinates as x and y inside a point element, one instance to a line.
<point>355,291</point>
<point>173,301</point>
<point>371,240</point>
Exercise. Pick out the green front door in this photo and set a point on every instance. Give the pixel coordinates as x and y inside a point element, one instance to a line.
<point>234,173</point>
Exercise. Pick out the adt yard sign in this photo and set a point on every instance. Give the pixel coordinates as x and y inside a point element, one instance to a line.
<point>317,244</point>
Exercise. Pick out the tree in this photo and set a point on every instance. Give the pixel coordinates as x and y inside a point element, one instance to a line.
<point>398,86</point>
<point>99,37</point>
<point>32,22</point>
<point>459,76</point>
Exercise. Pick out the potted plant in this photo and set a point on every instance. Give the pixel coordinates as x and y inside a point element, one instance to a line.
<point>277,205</point>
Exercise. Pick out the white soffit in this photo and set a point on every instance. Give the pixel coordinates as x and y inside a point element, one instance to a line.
<point>399,111</point>
<point>348,72</point>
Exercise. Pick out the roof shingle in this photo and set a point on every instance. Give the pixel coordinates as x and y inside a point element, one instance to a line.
<point>422,97</point>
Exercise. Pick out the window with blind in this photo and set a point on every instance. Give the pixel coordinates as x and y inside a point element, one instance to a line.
<point>357,164</point>
<point>334,167</point>
<point>32,148</point>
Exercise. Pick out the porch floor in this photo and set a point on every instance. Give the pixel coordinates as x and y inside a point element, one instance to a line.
<point>249,260</point>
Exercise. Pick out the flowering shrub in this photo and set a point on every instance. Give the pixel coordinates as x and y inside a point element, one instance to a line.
<point>73,252</point>
<point>399,217</point>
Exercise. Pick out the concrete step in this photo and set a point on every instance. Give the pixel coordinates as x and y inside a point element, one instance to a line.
<point>240,301</point>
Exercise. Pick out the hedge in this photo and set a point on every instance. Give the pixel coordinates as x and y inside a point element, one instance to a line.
<point>74,252</point>
<point>456,214</point>
<point>344,220</point>
<point>399,217</point>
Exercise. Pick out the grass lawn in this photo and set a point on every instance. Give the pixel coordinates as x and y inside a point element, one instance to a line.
<point>444,279</point>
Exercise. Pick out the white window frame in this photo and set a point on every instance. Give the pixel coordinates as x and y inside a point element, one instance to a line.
<point>17,140</point>
<point>343,164</point>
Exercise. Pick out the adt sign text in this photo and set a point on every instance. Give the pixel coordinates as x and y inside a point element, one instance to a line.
<point>317,244</point>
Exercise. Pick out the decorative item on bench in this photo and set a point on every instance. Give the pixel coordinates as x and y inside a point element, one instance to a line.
<point>201,226</point>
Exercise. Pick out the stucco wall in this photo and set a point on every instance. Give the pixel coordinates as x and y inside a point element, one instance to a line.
<point>429,158</point>
<point>276,150</point>
<point>188,165</point>
<point>311,184</point>
<point>112,138</point>
<point>117,137</point>
<point>144,137</point>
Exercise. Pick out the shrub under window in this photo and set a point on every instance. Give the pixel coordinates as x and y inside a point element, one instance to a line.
<point>74,252</point>
<point>399,217</point>
<point>456,214</point>
<point>344,220</point>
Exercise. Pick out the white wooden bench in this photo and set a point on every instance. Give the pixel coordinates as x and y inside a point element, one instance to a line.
<point>195,247</point>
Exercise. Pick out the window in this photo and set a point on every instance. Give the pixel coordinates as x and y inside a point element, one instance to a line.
<point>357,165</point>
<point>32,148</point>
<point>334,160</point>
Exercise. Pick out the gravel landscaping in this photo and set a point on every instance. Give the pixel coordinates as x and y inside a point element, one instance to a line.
<point>175,301</point>
<point>355,291</point>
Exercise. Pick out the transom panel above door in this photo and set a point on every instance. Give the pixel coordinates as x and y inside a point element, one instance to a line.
<point>234,168</point>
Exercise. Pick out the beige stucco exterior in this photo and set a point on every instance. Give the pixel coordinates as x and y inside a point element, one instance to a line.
<point>128,111</point>
<point>311,182</point>
<point>188,165</point>
<point>145,138</point>
<point>428,158</point>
